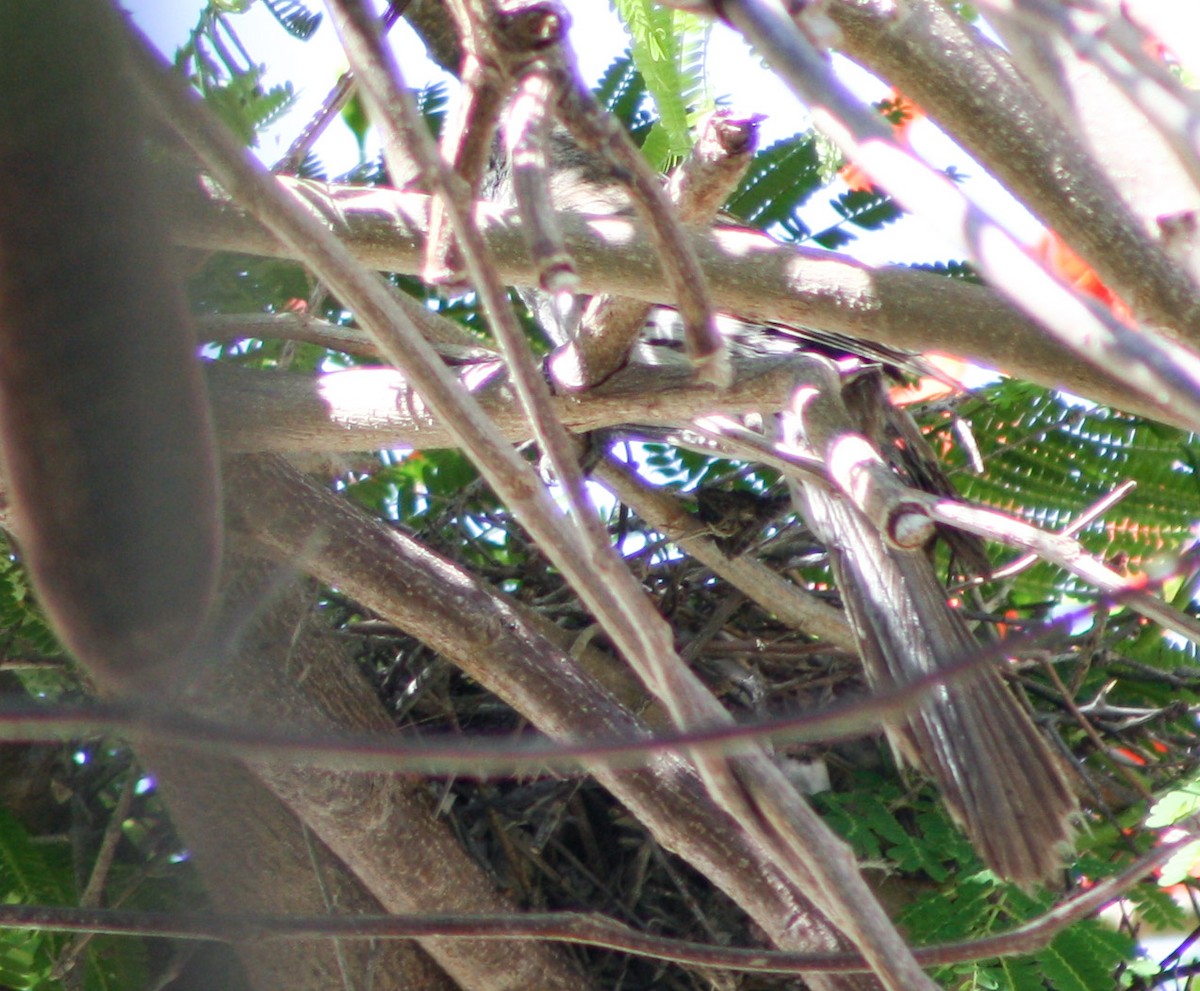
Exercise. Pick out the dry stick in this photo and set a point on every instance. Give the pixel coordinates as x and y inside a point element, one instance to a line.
<point>1089,515</point>
<point>642,634</point>
<point>360,409</point>
<point>698,187</point>
<point>776,595</point>
<point>448,338</point>
<point>961,79</point>
<point>762,799</point>
<point>895,505</point>
<point>404,133</point>
<point>1065,552</point>
<point>590,930</point>
<point>526,136</point>
<point>1085,724</point>
<point>599,132</point>
<point>1159,369</point>
<point>486,758</point>
<point>90,898</point>
<point>466,138</point>
<point>333,103</point>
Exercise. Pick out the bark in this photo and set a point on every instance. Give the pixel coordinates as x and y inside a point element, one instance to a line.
<point>504,647</point>
<point>363,409</point>
<point>750,275</point>
<point>254,855</point>
<point>266,665</point>
<point>970,87</point>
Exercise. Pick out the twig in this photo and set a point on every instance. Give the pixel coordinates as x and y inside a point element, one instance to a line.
<point>760,796</point>
<point>589,930</point>
<point>1155,365</point>
<point>749,273</point>
<point>90,898</point>
<point>1085,724</point>
<point>1068,554</point>
<point>331,106</point>
<point>953,72</point>
<point>700,185</point>
<point>1093,512</point>
<point>776,595</point>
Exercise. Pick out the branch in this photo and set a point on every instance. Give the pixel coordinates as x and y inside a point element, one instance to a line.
<point>1154,366</point>
<point>267,665</point>
<point>506,649</point>
<point>970,87</point>
<point>776,595</point>
<point>750,275</point>
<point>590,930</point>
<point>360,409</point>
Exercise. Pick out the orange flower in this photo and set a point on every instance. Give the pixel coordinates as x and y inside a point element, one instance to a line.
<point>930,388</point>
<point>900,112</point>
<point>1061,260</point>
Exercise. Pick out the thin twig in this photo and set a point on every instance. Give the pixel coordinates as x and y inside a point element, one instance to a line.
<point>1089,515</point>
<point>588,930</point>
<point>1155,366</point>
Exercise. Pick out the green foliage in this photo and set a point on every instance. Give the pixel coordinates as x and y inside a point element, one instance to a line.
<point>1048,459</point>
<point>909,838</point>
<point>668,49</point>
<point>295,17</point>
<point>431,105</point>
<point>866,209</point>
<point>245,107</point>
<point>232,283</point>
<point>216,62</point>
<point>38,874</point>
<point>354,116</point>
<point>24,627</point>
<point>405,489</point>
<point>964,271</point>
<point>622,92</point>
<point>780,180</point>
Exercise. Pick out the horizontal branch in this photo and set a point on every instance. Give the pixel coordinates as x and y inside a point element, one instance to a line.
<point>751,275</point>
<point>359,409</point>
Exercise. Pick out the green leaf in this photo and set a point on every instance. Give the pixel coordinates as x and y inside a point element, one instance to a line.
<point>1177,804</point>
<point>660,38</point>
<point>354,116</point>
<point>780,180</point>
<point>869,209</point>
<point>1080,959</point>
<point>295,17</point>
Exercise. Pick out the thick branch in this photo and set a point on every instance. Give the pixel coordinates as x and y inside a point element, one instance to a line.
<point>750,274</point>
<point>362,409</point>
<point>384,828</point>
<point>501,645</point>
<point>970,87</point>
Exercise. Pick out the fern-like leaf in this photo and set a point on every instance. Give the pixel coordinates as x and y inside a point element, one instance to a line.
<point>779,181</point>
<point>295,18</point>
<point>659,37</point>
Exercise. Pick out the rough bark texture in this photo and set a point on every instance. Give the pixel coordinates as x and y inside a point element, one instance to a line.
<point>269,666</point>
<point>750,275</point>
<point>254,855</point>
<point>498,643</point>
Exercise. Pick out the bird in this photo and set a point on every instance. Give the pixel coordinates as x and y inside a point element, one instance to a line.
<point>997,774</point>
